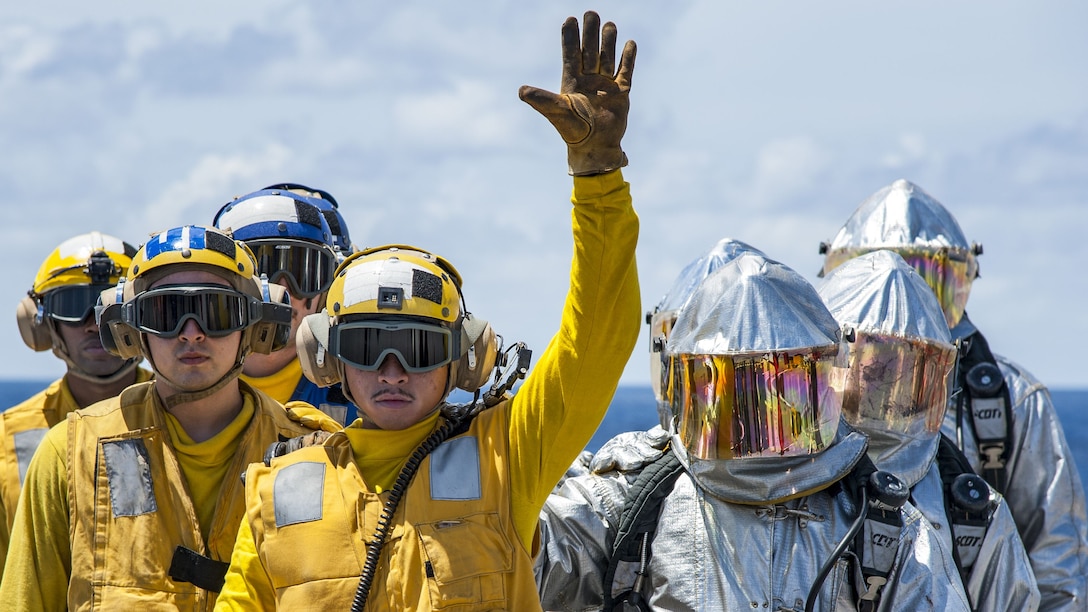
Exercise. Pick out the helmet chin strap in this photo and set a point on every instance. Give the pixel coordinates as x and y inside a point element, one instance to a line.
<point>192,396</point>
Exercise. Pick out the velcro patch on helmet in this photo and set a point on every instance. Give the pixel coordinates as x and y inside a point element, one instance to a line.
<point>307,213</point>
<point>426,286</point>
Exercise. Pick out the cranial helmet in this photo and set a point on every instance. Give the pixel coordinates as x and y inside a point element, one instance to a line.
<point>903,218</point>
<point>65,289</point>
<point>330,209</point>
<point>663,316</point>
<point>263,314</point>
<point>750,361</point>
<point>901,358</point>
<point>289,236</point>
<point>399,300</point>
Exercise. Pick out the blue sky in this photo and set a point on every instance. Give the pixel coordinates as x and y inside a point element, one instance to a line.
<point>767,122</point>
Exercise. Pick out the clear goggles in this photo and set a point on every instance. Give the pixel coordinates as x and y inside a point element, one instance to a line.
<point>218,310</point>
<point>308,268</point>
<point>770,405</point>
<point>897,385</point>
<point>420,347</point>
<point>72,303</point>
<point>949,272</point>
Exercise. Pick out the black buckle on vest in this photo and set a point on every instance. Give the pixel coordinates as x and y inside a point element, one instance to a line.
<point>192,567</point>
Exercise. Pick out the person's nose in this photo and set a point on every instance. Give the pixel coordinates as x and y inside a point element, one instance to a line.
<point>191,332</point>
<point>392,370</point>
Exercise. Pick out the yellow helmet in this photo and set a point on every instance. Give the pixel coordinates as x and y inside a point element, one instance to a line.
<point>396,282</point>
<point>91,258</point>
<point>65,289</point>
<point>193,247</point>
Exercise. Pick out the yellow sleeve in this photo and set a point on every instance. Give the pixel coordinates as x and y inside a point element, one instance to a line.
<point>564,398</point>
<point>39,560</point>
<point>247,585</point>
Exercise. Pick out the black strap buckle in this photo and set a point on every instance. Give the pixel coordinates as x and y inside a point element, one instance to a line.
<point>192,567</point>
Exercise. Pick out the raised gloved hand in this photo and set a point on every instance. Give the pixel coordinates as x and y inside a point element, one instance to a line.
<point>590,111</point>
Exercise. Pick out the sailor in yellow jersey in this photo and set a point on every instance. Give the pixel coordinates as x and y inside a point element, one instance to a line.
<point>414,507</point>
<point>134,502</point>
<point>58,314</point>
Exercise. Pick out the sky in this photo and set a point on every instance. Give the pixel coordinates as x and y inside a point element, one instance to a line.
<point>766,122</point>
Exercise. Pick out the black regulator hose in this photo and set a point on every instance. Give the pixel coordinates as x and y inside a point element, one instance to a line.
<point>385,521</point>
<point>863,507</point>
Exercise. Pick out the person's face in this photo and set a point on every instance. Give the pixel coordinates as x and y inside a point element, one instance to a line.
<point>84,347</point>
<point>257,364</point>
<point>392,398</point>
<point>192,360</point>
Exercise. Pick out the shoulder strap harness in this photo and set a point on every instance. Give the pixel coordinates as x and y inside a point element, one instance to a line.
<point>984,392</point>
<point>968,504</point>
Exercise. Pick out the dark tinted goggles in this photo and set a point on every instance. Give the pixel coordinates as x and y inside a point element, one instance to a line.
<point>419,347</point>
<point>308,268</point>
<point>72,303</point>
<point>218,311</point>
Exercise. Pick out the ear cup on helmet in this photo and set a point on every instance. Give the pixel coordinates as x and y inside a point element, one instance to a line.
<point>273,331</point>
<point>480,349</point>
<point>312,342</point>
<point>36,334</point>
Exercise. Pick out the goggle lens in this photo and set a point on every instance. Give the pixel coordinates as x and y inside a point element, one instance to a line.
<point>418,346</point>
<point>164,312</point>
<point>769,406</point>
<point>308,268</point>
<point>72,303</point>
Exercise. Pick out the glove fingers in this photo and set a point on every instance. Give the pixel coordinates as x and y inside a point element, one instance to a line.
<point>572,53</point>
<point>591,43</point>
<point>608,49</point>
<point>627,66</point>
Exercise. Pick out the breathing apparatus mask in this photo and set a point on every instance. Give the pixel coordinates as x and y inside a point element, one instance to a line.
<point>903,218</point>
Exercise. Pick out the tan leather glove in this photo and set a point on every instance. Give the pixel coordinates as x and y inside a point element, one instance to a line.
<point>590,110</point>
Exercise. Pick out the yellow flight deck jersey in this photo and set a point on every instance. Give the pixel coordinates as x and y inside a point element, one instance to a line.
<point>463,535</point>
<point>119,503</point>
<point>22,428</point>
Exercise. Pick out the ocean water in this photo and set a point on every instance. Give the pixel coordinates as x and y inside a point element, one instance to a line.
<point>633,408</point>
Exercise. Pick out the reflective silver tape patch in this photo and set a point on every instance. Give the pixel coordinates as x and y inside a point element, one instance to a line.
<point>128,471</point>
<point>298,492</point>
<point>455,470</point>
<point>26,442</point>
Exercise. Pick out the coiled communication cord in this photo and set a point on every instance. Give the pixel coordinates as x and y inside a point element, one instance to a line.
<point>839,550</point>
<point>385,521</point>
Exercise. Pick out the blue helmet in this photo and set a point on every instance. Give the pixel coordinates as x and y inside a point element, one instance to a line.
<point>288,235</point>
<point>330,209</point>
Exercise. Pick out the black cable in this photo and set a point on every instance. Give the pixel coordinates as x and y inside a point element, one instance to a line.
<point>863,509</point>
<point>385,521</point>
